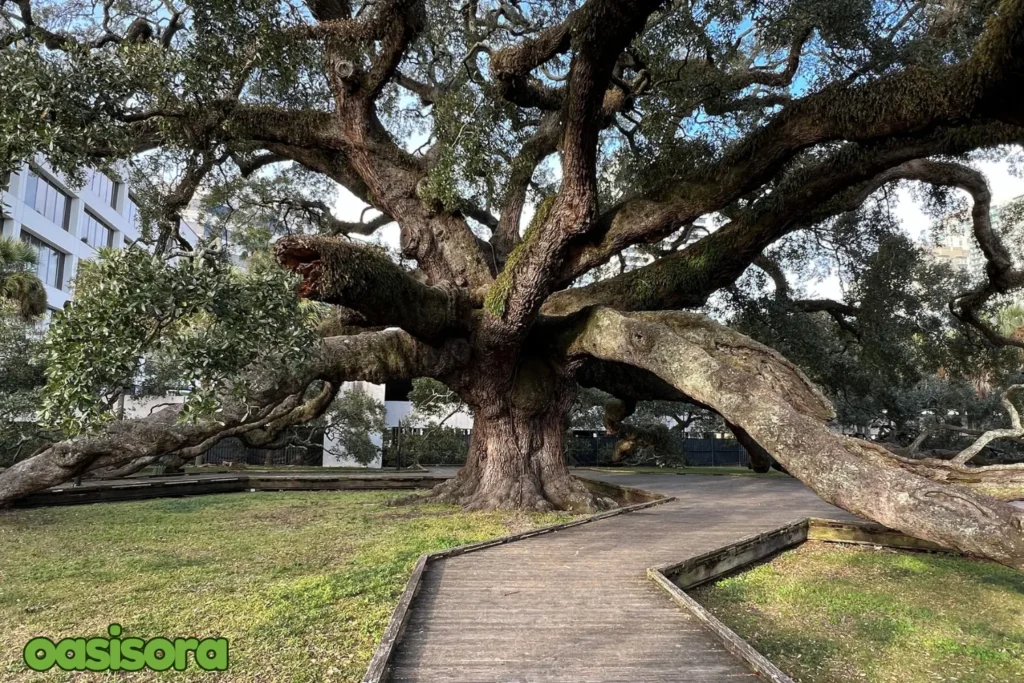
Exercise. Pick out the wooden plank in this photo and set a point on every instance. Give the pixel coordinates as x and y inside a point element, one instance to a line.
<point>577,605</point>
<point>382,656</point>
<point>721,561</point>
<point>378,669</point>
<point>732,642</point>
<point>866,533</point>
<point>480,545</point>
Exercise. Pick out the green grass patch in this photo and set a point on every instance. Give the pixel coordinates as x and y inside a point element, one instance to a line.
<point>730,471</point>
<point>301,583</point>
<point>828,613</point>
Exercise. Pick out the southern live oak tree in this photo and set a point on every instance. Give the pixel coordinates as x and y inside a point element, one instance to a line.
<point>623,122</point>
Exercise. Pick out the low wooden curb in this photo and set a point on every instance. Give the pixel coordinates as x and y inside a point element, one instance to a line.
<point>377,672</point>
<point>733,643</point>
<point>676,578</point>
<point>709,566</point>
<point>141,489</point>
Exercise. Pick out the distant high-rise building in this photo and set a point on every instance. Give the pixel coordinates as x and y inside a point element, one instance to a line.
<point>954,242</point>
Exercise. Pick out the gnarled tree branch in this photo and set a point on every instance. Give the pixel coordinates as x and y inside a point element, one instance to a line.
<point>755,389</point>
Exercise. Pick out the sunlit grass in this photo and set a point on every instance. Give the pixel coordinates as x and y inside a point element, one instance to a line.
<point>301,583</point>
<point>831,614</point>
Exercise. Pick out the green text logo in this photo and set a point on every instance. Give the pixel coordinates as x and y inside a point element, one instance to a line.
<point>130,654</point>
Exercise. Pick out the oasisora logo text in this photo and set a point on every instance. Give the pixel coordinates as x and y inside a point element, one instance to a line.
<point>128,654</point>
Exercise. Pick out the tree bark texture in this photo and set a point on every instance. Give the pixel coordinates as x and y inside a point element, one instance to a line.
<point>516,459</point>
<point>767,397</point>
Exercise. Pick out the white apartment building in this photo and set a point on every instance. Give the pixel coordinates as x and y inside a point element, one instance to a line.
<point>66,225</point>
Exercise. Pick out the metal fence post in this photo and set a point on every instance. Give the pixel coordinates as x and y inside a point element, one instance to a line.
<point>398,448</point>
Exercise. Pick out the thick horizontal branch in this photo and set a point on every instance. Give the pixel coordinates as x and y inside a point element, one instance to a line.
<point>837,310</point>
<point>912,102</point>
<point>361,277</point>
<point>276,401</point>
<point>840,182</point>
<point>321,214</point>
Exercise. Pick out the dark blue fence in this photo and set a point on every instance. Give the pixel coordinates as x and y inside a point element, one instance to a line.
<point>715,453</point>
<point>582,449</point>
<point>587,450</point>
<point>233,450</point>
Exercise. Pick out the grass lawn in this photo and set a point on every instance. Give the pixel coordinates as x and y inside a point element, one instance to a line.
<point>299,469</point>
<point>301,583</point>
<point>732,471</point>
<point>832,614</point>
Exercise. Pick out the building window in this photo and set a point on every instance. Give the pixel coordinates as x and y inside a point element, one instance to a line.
<point>47,199</point>
<point>133,214</point>
<point>50,268</point>
<point>103,187</point>
<point>95,233</point>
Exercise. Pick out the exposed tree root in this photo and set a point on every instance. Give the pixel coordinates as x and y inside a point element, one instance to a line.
<point>526,493</point>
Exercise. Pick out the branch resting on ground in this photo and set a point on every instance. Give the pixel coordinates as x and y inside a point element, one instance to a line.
<point>277,402</point>
<point>763,394</point>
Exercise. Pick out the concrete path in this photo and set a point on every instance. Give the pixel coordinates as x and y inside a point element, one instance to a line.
<point>576,605</point>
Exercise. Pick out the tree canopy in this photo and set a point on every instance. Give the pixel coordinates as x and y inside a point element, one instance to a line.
<point>567,178</point>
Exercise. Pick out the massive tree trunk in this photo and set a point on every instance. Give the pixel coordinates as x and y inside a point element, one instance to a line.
<point>515,462</point>
<point>516,459</point>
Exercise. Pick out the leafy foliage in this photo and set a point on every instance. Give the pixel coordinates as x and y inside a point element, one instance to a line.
<point>436,445</point>
<point>21,379</point>
<point>432,399</point>
<point>902,357</point>
<point>19,285</point>
<point>209,321</point>
<point>355,421</point>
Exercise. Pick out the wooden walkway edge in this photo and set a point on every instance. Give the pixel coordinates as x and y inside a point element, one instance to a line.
<point>380,664</point>
<point>579,605</point>
<point>118,490</point>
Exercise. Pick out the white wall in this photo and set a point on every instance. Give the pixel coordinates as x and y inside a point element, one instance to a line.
<point>23,218</point>
<point>394,413</point>
<point>334,452</point>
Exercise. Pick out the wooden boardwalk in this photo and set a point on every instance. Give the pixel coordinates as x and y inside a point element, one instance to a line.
<point>575,605</point>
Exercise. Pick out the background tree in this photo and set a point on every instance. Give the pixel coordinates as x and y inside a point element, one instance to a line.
<point>22,301</point>
<point>20,287</point>
<point>21,380</point>
<point>433,403</point>
<point>423,435</point>
<point>353,422</point>
<point>648,432</point>
<point>623,124</point>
